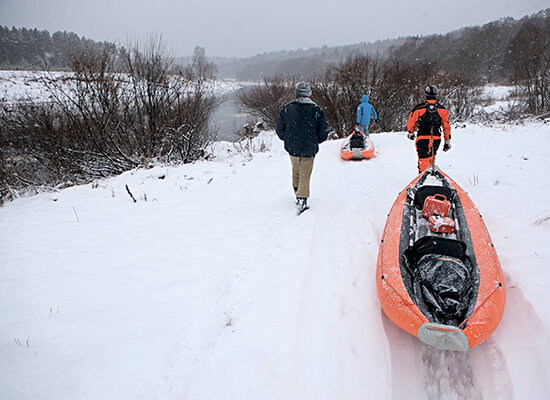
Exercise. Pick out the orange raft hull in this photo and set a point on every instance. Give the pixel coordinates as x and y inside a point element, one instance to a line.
<point>366,152</point>
<point>397,280</point>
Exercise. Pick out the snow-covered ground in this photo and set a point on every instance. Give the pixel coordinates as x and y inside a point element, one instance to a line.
<point>16,85</point>
<point>30,85</point>
<point>210,287</point>
<point>496,98</point>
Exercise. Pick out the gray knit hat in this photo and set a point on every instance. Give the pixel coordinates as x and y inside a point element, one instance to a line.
<point>303,89</point>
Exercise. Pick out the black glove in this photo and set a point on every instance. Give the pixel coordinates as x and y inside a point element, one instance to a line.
<point>447,145</point>
<point>410,135</point>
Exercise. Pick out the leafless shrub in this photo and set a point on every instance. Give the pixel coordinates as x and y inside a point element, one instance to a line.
<point>171,112</point>
<point>252,145</point>
<point>247,136</point>
<point>460,94</point>
<point>512,111</point>
<point>29,162</point>
<point>250,129</point>
<point>265,101</point>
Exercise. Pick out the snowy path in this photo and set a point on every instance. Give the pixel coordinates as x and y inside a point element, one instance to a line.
<point>332,359</point>
<point>210,287</point>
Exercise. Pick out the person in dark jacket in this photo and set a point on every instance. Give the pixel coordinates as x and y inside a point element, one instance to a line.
<point>365,111</point>
<point>302,126</point>
<point>427,119</point>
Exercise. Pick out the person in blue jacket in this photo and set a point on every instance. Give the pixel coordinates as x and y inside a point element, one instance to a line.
<point>365,111</point>
<point>302,126</point>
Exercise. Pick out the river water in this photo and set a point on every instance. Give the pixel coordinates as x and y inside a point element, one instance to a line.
<point>227,118</point>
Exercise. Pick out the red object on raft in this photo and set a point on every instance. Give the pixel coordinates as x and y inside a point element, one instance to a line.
<point>357,146</point>
<point>436,205</point>
<point>446,288</point>
<point>441,224</point>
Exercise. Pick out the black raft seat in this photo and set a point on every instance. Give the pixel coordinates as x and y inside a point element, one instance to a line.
<point>438,245</point>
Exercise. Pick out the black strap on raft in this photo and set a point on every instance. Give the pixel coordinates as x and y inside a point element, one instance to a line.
<point>433,151</point>
<point>432,108</point>
<point>430,120</point>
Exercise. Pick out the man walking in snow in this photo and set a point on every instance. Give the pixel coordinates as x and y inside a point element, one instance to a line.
<point>302,126</point>
<point>427,119</point>
<point>365,111</point>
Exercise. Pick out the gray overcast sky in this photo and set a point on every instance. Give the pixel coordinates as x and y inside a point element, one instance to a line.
<point>244,28</point>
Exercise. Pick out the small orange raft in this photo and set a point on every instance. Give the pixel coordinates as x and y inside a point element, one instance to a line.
<point>357,146</point>
<point>438,275</point>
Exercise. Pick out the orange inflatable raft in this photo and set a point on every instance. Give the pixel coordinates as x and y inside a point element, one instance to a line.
<point>357,146</point>
<point>438,275</point>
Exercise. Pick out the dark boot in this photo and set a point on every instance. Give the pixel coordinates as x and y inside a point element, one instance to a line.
<point>301,205</point>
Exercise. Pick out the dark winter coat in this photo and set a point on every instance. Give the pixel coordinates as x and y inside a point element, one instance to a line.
<point>302,126</point>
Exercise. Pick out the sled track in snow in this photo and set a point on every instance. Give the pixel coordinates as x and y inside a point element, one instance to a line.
<point>448,375</point>
<point>330,354</point>
<point>491,371</point>
<point>312,341</point>
<point>513,363</point>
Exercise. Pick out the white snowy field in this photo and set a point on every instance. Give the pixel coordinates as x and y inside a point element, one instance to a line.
<point>31,85</point>
<point>210,287</point>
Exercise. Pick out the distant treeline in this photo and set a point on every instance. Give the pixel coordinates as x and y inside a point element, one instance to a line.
<point>22,48</point>
<point>490,52</point>
<point>301,63</point>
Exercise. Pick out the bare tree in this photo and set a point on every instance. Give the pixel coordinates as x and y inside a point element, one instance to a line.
<point>200,68</point>
<point>530,52</point>
<point>340,90</point>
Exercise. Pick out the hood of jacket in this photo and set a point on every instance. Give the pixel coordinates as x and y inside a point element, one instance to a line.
<point>303,100</point>
<point>365,98</point>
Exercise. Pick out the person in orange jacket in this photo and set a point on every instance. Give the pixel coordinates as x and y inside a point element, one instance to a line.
<point>427,119</point>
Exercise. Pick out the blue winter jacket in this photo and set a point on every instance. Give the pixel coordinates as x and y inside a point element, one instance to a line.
<point>365,111</point>
<point>302,126</point>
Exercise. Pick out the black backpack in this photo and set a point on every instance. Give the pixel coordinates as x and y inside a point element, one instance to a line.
<point>430,120</point>
<point>357,141</point>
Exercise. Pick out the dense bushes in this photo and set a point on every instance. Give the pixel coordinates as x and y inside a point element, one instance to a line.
<point>115,112</point>
<point>394,86</point>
